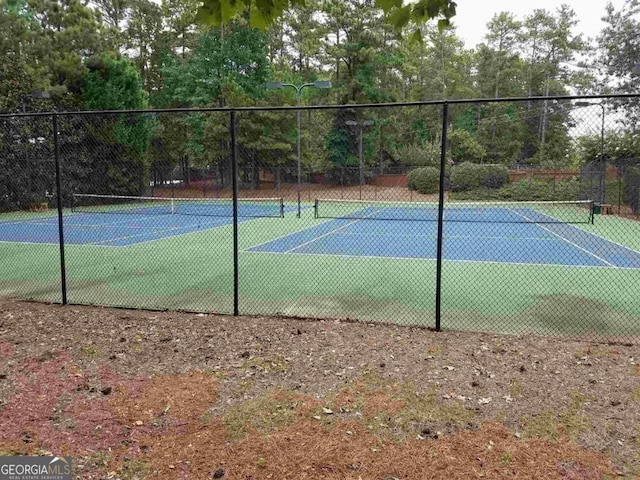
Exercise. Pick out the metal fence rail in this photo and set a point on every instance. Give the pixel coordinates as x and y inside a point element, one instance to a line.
<point>506,215</point>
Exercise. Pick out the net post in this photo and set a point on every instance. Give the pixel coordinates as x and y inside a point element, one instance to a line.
<point>281,207</point>
<point>315,208</point>
<point>63,268</point>
<point>234,182</point>
<point>443,156</point>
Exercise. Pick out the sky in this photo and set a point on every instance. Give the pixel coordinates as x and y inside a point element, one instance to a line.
<point>473,15</point>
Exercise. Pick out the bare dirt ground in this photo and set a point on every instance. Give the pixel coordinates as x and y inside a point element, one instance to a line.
<point>141,394</point>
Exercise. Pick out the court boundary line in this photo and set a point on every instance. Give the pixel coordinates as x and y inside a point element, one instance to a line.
<point>73,214</point>
<point>593,234</point>
<point>446,236</point>
<point>327,233</point>
<point>102,245</point>
<point>295,232</point>
<point>57,244</point>
<point>430,259</point>
<point>565,239</point>
<point>156,239</point>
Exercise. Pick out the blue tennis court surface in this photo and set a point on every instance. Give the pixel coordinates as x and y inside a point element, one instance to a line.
<point>520,243</point>
<point>113,230</point>
<point>120,221</point>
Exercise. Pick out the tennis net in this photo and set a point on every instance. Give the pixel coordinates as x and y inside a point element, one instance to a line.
<point>216,207</point>
<point>494,212</point>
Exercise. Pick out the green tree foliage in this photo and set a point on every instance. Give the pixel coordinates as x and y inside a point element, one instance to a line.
<point>498,61</point>
<point>618,55</point>
<point>262,14</point>
<point>108,154</point>
<point>233,58</point>
<point>367,48</point>
<point>464,148</point>
<point>229,66</point>
<point>145,40</point>
<point>501,132</point>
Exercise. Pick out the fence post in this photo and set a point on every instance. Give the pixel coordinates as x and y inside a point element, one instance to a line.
<point>56,152</point>
<point>443,161</point>
<point>234,183</point>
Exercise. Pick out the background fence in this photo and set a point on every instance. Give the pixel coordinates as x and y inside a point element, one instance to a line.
<point>506,216</point>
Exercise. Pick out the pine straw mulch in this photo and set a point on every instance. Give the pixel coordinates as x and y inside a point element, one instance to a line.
<point>157,416</point>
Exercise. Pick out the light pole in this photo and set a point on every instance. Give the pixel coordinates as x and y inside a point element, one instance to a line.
<point>604,166</point>
<point>361,127</point>
<point>279,85</point>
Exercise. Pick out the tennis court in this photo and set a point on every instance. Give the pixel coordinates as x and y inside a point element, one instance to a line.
<point>507,267</point>
<point>536,234</point>
<point>116,221</point>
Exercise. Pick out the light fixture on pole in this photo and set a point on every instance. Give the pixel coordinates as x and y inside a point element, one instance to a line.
<point>361,127</point>
<point>279,85</point>
<point>601,105</point>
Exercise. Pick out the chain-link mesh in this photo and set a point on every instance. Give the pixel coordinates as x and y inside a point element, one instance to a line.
<point>540,213</point>
<point>140,229</point>
<point>544,263</point>
<point>334,266</point>
<point>29,234</point>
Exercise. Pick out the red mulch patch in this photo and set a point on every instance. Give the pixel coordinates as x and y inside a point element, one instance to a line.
<point>347,451</point>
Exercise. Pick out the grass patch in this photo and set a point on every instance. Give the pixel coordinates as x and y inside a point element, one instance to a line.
<point>133,470</point>
<point>505,458</point>
<point>435,350</point>
<point>550,425</point>
<point>275,409</point>
<point>273,363</point>
<point>90,351</point>
<point>515,388</point>
<point>392,408</point>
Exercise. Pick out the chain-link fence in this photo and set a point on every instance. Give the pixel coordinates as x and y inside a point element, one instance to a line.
<point>506,216</point>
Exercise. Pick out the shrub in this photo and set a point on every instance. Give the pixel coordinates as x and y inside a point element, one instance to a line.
<point>525,190</point>
<point>424,179</point>
<point>465,176</point>
<point>420,155</point>
<point>494,176</point>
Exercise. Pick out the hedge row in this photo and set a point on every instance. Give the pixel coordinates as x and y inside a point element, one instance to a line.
<point>424,179</point>
<point>469,176</point>
<point>466,176</point>
<point>525,190</point>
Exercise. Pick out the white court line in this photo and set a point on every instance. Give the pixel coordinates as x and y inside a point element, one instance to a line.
<point>446,237</point>
<point>104,243</point>
<point>565,239</point>
<point>591,233</point>
<point>35,221</point>
<point>57,244</point>
<point>329,233</point>
<point>433,259</point>
<point>164,230</point>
